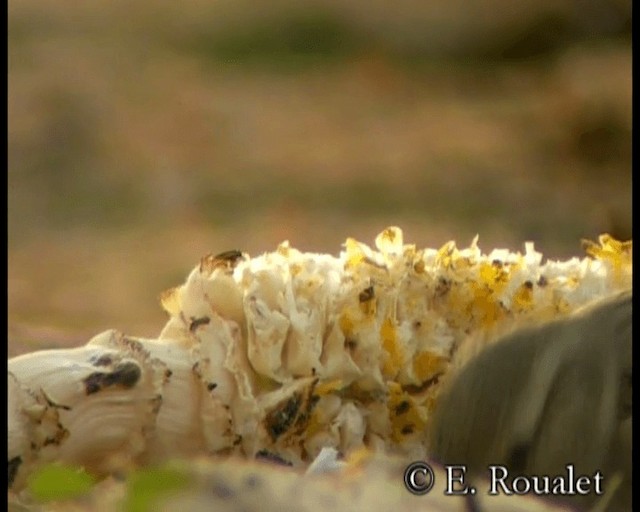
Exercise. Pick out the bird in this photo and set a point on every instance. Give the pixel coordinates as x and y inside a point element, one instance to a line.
<point>545,396</point>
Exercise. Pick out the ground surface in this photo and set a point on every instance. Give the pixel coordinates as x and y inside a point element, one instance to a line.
<point>144,135</point>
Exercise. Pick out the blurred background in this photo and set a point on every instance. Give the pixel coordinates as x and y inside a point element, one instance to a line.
<point>143,135</point>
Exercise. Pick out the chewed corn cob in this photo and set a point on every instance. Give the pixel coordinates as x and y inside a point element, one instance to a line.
<point>281,355</point>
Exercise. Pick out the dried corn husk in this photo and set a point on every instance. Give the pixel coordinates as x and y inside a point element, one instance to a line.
<point>284,354</point>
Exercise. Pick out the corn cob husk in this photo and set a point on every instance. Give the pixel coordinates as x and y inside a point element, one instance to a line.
<point>284,354</point>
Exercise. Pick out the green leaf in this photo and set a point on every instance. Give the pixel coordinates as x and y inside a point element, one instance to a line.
<point>148,485</point>
<point>58,482</point>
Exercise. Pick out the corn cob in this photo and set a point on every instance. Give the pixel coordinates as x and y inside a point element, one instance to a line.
<point>281,355</point>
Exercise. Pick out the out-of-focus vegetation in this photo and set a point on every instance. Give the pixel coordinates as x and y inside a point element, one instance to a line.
<point>143,135</point>
<point>57,482</point>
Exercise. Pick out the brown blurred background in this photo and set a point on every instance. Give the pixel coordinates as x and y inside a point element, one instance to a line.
<point>143,135</point>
